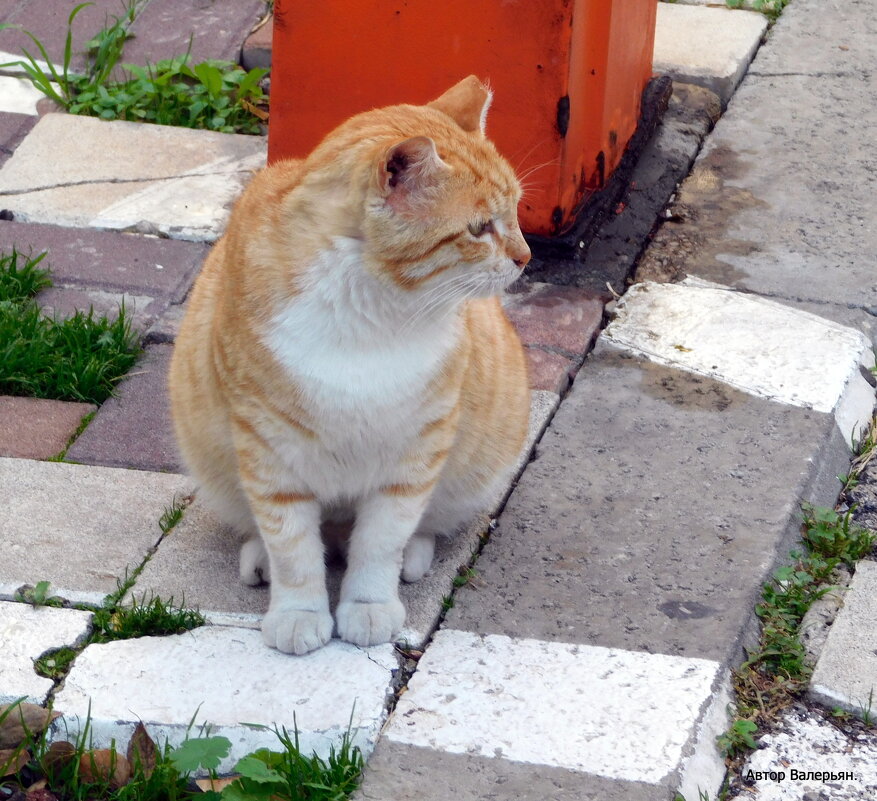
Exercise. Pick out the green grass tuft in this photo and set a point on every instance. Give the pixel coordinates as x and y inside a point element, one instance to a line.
<point>154,617</point>
<point>78,359</point>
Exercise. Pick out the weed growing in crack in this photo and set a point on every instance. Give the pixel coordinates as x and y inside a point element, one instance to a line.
<point>152,617</point>
<point>777,671</point>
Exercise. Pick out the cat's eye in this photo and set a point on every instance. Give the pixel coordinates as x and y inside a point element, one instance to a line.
<point>481,228</point>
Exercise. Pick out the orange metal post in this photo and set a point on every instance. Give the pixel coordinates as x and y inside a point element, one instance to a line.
<point>567,76</point>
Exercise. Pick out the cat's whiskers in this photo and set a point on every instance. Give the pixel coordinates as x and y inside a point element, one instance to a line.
<point>449,293</point>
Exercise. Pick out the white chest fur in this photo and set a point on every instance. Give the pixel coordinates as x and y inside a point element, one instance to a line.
<point>363,361</point>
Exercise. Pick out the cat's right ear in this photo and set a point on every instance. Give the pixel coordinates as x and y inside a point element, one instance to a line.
<point>409,171</point>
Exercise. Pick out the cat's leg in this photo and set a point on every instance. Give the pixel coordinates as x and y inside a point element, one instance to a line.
<point>370,610</point>
<point>417,556</point>
<point>298,618</point>
<point>254,566</point>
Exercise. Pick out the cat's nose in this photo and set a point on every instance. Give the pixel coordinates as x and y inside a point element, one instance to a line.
<point>521,257</point>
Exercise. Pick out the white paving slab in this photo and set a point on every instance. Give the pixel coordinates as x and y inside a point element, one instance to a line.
<point>756,345</point>
<point>707,46</point>
<point>77,526</point>
<point>228,680</point>
<point>26,633</point>
<point>846,672</point>
<point>18,95</point>
<point>614,713</point>
<point>87,173</point>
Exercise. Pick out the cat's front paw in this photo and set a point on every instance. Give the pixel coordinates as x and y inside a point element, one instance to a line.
<point>364,623</point>
<point>296,631</point>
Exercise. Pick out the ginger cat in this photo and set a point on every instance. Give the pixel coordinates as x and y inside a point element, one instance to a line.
<point>345,352</point>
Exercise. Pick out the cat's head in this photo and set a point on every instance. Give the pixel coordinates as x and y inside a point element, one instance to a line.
<point>439,204</point>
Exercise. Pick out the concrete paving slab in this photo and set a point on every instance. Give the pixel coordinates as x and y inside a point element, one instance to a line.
<point>818,39</point>
<point>87,173</point>
<point>396,771</point>
<point>846,672</point>
<point>753,344</point>
<point>708,46</point>
<point>198,561</point>
<point>13,128</point>
<point>164,330</point>
<point>64,302</point>
<point>19,95</point>
<point>548,371</point>
<point>50,507</point>
<point>828,763</point>
<point>228,679</point>
<point>35,428</point>
<point>133,428</point>
<point>217,30</point>
<point>740,220</point>
<point>27,632</point>
<point>613,713</point>
<point>109,261</point>
<point>660,495</point>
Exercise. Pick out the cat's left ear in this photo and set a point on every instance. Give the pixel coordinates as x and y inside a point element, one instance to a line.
<point>466,103</point>
<point>410,170</point>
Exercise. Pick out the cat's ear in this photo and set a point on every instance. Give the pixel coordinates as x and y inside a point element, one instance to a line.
<point>409,170</point>
<point>466,103</point>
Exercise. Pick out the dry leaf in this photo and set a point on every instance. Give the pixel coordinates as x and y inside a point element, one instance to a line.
<point>12,760</point>
<point>142,750</point>
<point>21,720</point>
<point>59,755</point>
<point>205,785</point>
<point>259,112</point>
<point>104,765</point>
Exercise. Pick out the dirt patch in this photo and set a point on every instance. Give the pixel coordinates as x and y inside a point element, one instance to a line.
<point>694,236</point>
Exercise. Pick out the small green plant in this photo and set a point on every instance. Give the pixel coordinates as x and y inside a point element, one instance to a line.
<point>216,95</point>
<point>55,664</point>
<point>770,8</point>
<point>38,595</point>
<point>738,738</point>
<point>465,575</point>
<point>172,515</point>
<point>152,617</point>
<point>834,536</point>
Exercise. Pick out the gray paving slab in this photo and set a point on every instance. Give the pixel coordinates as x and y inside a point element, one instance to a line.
<point>63,302</point>
<point>19,96</point>
<point>76,526</point>
<point>397,771</point>
<point>656,504</point>
<point>846,671</point>
<point>741,221</point>
<point>708,46</point>
<point>815,38</point>
<point>166,327</point>
<point>217,29</point>
<point>109,261</point>
<point>27,632</point>
<point>157,179</point>
<point>133,428</point>
<point>13,128</point>
<point>36,428</point>
<point>228,679</point>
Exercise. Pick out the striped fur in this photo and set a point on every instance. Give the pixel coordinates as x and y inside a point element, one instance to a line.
<point>345,353</point>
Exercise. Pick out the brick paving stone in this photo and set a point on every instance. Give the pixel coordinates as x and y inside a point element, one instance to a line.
<point>217,29</point>
<point>108,260</point>
<point>549,371</point>
<point>77,526</point>
<point>27,632</point>
<point>35,428</point>
<point>558,317</point>
<point>47,20</point>
<point>256,51</point>
<point>13,128</point>
<point>167,326</point>
<point>133,428</point>
<point>64,302</point>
